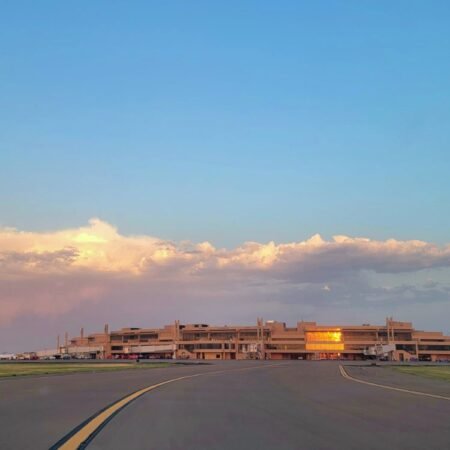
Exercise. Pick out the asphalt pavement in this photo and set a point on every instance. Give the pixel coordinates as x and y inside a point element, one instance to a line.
<point>293,405</point>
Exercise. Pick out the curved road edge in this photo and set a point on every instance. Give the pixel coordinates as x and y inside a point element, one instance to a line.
<point>392,388</point>
<point>83,434</point>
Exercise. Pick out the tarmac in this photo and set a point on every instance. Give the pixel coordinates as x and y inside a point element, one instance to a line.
<point>261,405</point>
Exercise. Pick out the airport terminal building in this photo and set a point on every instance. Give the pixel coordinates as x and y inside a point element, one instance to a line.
<point>394,340</point>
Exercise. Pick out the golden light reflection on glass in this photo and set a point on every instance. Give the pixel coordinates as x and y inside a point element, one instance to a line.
<point>325,346</point>
<point>324,341</point>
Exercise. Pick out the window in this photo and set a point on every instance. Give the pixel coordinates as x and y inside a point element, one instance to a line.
<point>324,340</point>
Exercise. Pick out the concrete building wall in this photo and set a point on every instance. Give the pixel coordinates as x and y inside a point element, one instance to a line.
<point>269,340</point>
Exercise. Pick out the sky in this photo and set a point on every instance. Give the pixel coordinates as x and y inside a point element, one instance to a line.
<point>221,161</point>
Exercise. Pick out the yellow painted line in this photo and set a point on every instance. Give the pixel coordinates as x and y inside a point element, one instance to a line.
<point>93,425</point>
<point>392,388</point>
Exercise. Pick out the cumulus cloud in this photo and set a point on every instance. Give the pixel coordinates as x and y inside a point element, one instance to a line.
<point>55,272</point>
<point>100,247</point>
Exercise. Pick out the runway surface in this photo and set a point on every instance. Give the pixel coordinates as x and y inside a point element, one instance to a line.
<point>293,405</point>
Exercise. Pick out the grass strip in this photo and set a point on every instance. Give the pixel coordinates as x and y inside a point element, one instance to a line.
<point>435,372</point>
<point>27,369</point>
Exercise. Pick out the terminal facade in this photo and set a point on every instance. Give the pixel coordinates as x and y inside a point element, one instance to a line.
<point>273,340</point>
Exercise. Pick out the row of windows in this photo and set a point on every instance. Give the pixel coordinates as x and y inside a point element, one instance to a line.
<point>285,347</point>
<point>330,346</point>
<point>221,336</point>
<point>445,348</point>
<point>133,337</point>
<point>193,347</point>
<point>248,336</point>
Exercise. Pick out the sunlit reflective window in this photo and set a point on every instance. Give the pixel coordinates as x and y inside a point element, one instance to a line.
<point>324,340</point>
<point>325,346</point>
<point>323,336</point>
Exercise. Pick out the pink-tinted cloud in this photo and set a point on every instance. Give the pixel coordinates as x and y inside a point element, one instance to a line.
<point>53,273</point>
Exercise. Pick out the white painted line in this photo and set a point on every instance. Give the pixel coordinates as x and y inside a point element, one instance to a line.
<point>392,388</point>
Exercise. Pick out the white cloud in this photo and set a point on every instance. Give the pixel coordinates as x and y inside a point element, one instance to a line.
<point>100,247</point>
<point>55,272</point>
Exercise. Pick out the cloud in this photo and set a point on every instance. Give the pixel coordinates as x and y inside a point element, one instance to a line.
<point>100,247</point>
<point>53,273</point>
<point>97,247</point>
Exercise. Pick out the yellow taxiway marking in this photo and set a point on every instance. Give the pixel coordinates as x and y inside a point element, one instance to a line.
<point>392,388</point>
<point>92,426</point>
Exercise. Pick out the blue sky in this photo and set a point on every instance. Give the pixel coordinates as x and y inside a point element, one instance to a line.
<point>228,122</point>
